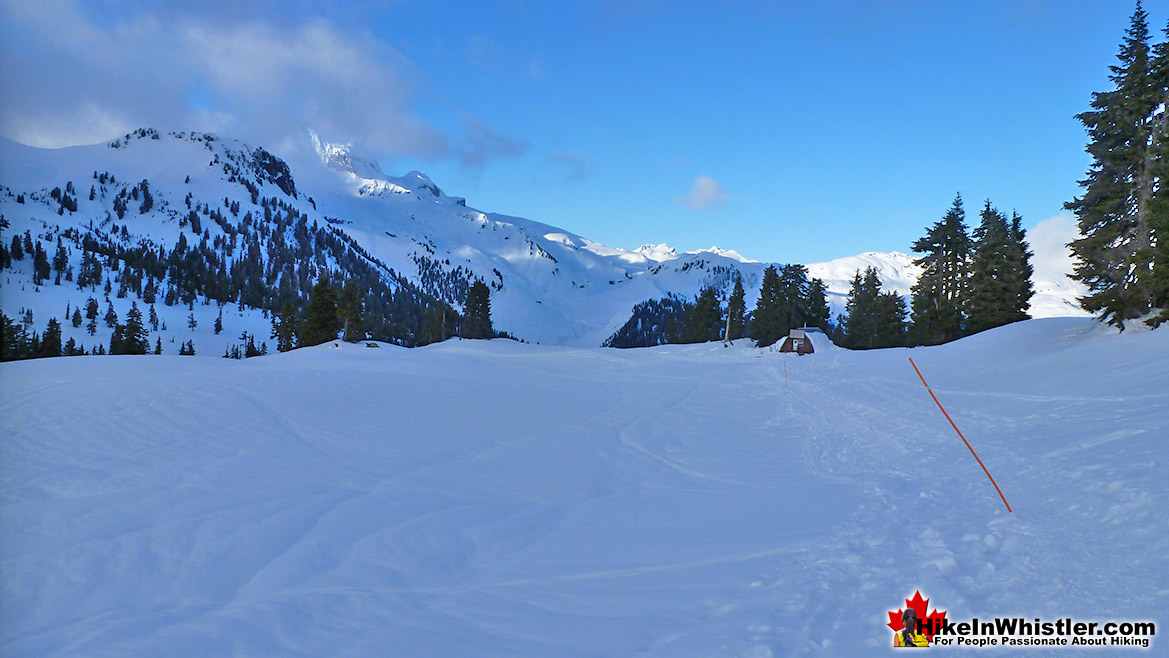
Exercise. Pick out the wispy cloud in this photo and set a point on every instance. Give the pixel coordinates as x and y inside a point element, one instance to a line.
<point>67,76</point>
<point>481,144</point>
<point>572,165</point>
<point>705,195</point>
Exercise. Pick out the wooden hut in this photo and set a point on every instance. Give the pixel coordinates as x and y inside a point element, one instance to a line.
<point>797,341</point>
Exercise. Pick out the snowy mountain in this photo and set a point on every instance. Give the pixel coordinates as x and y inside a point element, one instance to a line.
<point>240,207</point>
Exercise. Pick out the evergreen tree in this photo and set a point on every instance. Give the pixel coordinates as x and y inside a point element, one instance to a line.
<point>859,326</point>
<point>158,345</point>
<point>1021,268</point>
<point>321,323</point>
<point>477,312</point>
<point>940,295</point>
<point>111,317</point>
<point>76,319</point>
<point>130,338</point>
<point>792,298</point>
<point>440,322</point>
<point>816,311</point>
<point>350,309</point>
<point>12,346</point>
<point>1116,214</point>
<point>993,289</point>
<point>60,259</point>
<point>736,312</point>
<point>889,320</point>
<point>1159,173</point>
<point>875,318</point>
<point>219,322</point>
<point>17,250</point>
<point>765,320</point>
<point>703,320</point>
<point>40,265</point>
<point>284,327</point>
<point>50,340</point>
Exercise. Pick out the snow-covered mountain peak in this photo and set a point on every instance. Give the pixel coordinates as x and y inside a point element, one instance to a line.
<point>725,253</point>
<point>656,252</point>
<point>340,157</point>
<point>366,177</point>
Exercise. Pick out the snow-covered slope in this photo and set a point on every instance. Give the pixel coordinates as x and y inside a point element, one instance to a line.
<point>549,285</point>
<point>675,501</point>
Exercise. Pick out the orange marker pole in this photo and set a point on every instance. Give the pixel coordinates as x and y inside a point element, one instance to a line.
<point>988,475</point>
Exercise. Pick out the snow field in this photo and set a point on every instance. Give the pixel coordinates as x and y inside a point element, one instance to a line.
<point>497,499</point>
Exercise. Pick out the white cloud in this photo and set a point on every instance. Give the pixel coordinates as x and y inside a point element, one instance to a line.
<point>1053,258</point>
<point>1053,262</point>
<point>705,194</point>
<point>67,76</point>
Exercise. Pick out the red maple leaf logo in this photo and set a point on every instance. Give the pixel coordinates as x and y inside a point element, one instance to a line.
<point>930,624</point>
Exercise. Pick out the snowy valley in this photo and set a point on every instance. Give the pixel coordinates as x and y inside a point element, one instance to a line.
<point>244,215</point>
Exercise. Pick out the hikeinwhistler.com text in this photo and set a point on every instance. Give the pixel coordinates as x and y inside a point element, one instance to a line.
<point>1020,632</point>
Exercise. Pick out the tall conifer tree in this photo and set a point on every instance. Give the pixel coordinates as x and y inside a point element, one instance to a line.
<point>765,320</point>
<point>1115,258</point>
<point>940,295</point>
<point>736,311</point>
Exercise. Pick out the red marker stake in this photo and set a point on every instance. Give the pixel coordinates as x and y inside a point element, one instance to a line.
<point>927,387</point>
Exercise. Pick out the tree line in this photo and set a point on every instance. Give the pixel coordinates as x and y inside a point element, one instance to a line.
<point>970,282</point>
<point>787,299</point>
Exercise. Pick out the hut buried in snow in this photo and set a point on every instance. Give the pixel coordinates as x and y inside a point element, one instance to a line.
<point>797,341</point>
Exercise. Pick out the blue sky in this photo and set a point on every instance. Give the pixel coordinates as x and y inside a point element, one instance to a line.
<point>788,131</point>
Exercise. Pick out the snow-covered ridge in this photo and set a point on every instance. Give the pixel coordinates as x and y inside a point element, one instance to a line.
<point>549,284</point>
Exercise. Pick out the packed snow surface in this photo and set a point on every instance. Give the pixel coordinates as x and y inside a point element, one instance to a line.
<point>497,499</point>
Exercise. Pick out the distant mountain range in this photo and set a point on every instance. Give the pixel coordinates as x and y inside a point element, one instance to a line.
<point>549,285</point>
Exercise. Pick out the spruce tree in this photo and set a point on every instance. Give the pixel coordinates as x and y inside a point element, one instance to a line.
<point>1159,166</point>
<point>12,342</point>
<point>792,297</point>
<point>992,285</point>
<point>130,338</point>
<point>816,311</point>
<point>1116,256</point>
<point>703,320</point>
<point>1021,268</point>
<point>321,323</point>
<point>889,320</point>
<point>440,322</point>
<point>350,309</point>
<point>859,326</point>
<point>284,327</point>
<point>940,295</point>
<point>51,340</point>
<point>875,318</point>
<point>765,319</point>
<point>477,312</point>
<point>40,265</point>
<point>736,312</point>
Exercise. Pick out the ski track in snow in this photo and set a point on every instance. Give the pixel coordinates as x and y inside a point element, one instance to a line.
<point>495,499</point>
